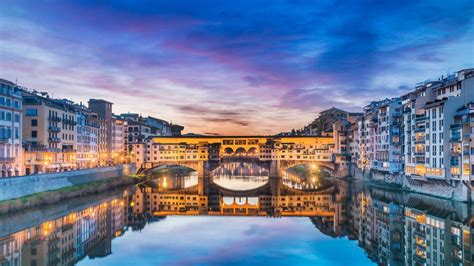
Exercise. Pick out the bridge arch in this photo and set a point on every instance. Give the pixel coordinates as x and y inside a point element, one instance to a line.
<point>252,151</point>
<point>148,168</point>
<point>228,151</point>
<point>329,167</point>
<point>240,151</point>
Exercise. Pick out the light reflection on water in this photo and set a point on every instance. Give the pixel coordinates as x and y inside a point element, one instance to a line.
<point>110,230</point>
<point>240,176</point>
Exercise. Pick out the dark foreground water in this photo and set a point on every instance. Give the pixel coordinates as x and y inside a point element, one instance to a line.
<point>347,224</point>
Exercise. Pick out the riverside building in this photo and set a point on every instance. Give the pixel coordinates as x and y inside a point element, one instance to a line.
<point>11,155</point>
<point>438,125</point>
<point>49,134</point>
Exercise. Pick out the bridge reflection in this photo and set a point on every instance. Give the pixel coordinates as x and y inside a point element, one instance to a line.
<point>394,228</point>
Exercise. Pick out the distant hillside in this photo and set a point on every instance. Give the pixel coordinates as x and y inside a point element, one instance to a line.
<point>323,123</point>
<point>326,120</point>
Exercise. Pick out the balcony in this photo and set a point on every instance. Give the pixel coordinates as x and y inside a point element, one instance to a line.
<point>7,160</point>
<point>54,129</point>
<point>419,130</point>
<point>55,139</point>
<point>68,149</point>
<point>396,152</point>
<point>69,121</point>
<point>33,148</point>
<point>419,154</point>
<point>54,118</point>
<point>4,139</point>
<point>456,138</point>
<point>420,118</point>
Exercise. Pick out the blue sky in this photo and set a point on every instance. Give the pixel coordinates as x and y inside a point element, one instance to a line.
<point>233,67</point>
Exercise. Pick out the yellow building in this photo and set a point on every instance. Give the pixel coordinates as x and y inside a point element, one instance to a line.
<point>49,134</point>
<point>166,149</point>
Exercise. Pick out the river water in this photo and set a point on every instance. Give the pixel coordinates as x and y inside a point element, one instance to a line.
<point>342,224</point>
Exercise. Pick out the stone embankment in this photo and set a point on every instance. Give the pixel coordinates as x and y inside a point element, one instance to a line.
<point>436,188</point>
<point>17,193</point>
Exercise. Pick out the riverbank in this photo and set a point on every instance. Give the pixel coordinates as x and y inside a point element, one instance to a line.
<point>57,195</point>
<point>436,188</point>
<point>20,186</point>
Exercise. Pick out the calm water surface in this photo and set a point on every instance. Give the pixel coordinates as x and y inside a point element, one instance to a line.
<point>200,240</point>
<point>165,222</point>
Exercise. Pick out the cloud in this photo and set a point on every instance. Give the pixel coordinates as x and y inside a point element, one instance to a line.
<point>233,67</point>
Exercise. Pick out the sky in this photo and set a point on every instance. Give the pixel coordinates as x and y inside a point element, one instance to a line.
<point>233,67</point>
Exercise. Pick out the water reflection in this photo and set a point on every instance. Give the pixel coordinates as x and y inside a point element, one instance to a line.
<point>240,175</point>
<point>390,227</point>
<point>174,181</point>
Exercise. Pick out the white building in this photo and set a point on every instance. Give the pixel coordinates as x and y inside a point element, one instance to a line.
<point>431,117</point>
<point>11,155</point>
<point>87,137</point>
<point>118,139</point>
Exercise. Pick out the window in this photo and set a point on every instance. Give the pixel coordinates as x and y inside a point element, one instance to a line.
<point>34,122</point>
<point>31,112</point>
<point>17,118</point>
<point>34,134</point>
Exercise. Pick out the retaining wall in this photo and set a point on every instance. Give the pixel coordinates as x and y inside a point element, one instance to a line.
<point>15,187</point>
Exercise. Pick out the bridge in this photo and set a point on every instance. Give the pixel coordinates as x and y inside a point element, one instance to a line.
<point>205,153</point>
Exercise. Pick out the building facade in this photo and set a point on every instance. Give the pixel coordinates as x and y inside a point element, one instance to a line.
<point>49,134</point>
<point>11,153</point>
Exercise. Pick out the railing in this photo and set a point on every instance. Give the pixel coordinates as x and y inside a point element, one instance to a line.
<point>55,139</point>
<point>420,118</point>
<point>54,129</point>
<point>54,118</point>
<point>69,121</point>
<point>455,138</point>
<point>41,149</point>
<point>7,160</point>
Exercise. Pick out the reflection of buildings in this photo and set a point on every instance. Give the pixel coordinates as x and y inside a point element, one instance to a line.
<point>66,240</point>
<point>409,229</point>
<point>393,228</point>
<point>147,201</point>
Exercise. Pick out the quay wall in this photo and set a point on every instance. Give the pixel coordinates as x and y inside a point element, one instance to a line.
<point>16,187</point>
<point>459,192</point>
<point>26,217</point>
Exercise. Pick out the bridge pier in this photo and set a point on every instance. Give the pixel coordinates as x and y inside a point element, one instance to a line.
<point>204,178</point>
<point>275,180</point>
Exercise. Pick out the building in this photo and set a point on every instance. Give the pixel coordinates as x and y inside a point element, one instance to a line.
<point>139,128</point>
<point>388,157</point>
<point>88,127</point>
<point>192,149</point>
<point>11,153</point>
<point>118,139</point>
<point>49,134</point>
<point>437,130</point>
<point>104,111</point>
